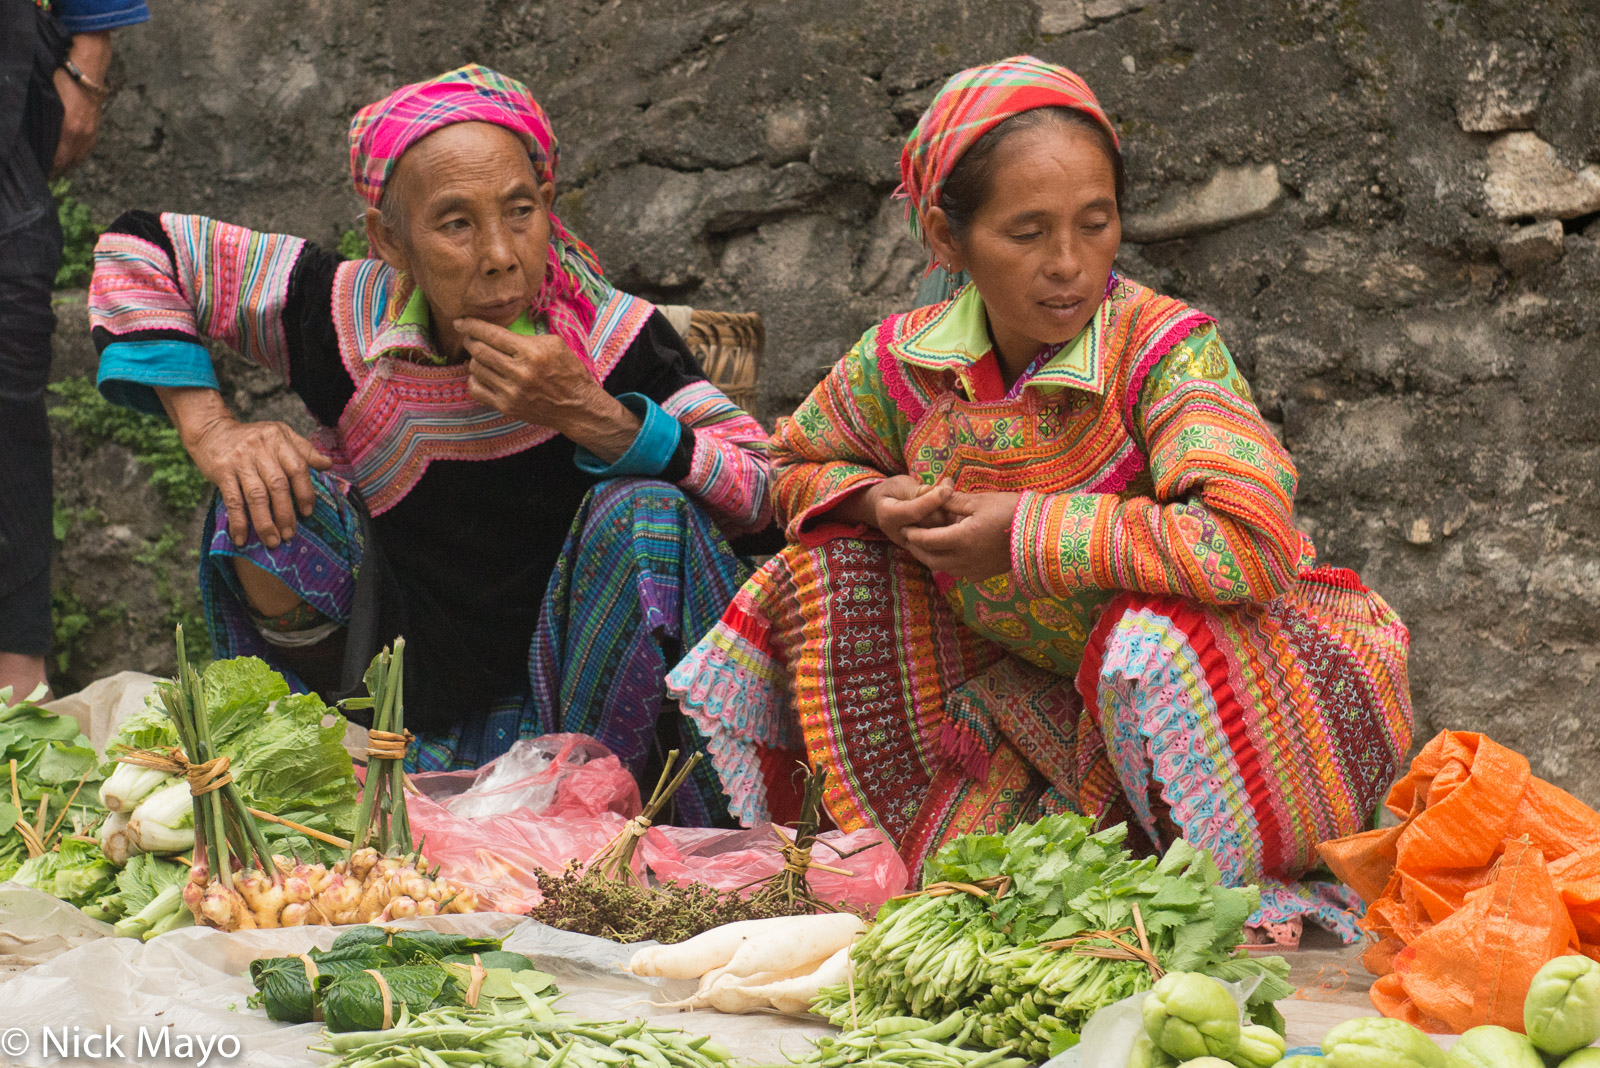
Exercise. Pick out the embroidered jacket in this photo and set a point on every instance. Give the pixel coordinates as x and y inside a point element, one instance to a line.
<point>1141,460</point>
<point>470,507</point>
<point>158,289</point>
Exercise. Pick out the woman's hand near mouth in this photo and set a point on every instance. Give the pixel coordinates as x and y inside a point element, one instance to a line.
<point>541,381</point>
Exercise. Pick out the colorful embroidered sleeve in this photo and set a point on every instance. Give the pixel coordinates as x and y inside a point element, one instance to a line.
<point>728,470</point>
<point>1220,527</point>
<point>159,289</point>
<point>846,436</point>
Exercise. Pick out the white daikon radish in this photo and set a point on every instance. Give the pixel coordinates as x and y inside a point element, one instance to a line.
<point>801,940</point>
<point>796,993</point>
<point>702,953</point>
<point>697,1000</point>
<point>792,994</point>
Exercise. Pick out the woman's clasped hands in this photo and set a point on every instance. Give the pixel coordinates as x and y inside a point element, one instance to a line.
<point>965,535</point>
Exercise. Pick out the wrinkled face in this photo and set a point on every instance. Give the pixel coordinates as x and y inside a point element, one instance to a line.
<point>1041,247</point>
<point>472,226</point>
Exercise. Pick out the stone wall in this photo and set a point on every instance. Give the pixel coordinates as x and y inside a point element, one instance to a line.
<point>1388,204</point>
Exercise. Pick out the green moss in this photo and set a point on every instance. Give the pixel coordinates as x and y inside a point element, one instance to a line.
<point>166,547</point>
<point>152,441</point>
<point>75,622</point>
<point>162,556</point>
<point>353,245</point>
<point>65,520</point>
<point>80,233</point>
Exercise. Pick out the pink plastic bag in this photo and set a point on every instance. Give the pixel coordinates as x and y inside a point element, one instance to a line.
<point>552,775</point>
<point>561,798</point>
<point>497,856</point>
<point>730,860</point>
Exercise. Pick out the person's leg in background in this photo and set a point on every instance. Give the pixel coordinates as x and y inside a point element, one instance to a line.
<point>30,253</point>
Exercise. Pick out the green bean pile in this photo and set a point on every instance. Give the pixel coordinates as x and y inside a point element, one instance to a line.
<point>1032,932</point>
<point>910,1042</point>
<point>527,1036</point>
<point>934,956</point>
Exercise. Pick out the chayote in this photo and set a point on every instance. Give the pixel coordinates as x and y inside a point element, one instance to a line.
<point>1562,1010</point>
<point>1259,1047</point>
<point>1146,1055</point>
<point>1493,1047</point>
<point>1378,1042</point>
<point>1303,1060</point>
<point>1208,1062</point>
<point>1584,1058</point>
<point>1192,1015</point>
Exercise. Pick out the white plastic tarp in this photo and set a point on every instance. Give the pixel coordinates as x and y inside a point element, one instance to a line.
<point>193,984</point>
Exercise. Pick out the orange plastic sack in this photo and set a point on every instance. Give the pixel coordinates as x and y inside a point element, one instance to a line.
<point>1490,874</point>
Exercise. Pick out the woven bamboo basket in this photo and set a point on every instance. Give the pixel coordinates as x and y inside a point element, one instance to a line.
<point>729,346</point>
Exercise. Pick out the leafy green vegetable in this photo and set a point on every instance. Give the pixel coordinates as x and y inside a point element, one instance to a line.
<point>138,883</point>
<point>410,945</point>
<point>52,758</point>
<point>283,758</point>
<point>76,872</point>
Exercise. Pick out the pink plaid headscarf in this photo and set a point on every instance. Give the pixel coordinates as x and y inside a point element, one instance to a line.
<point>972,103</point>
<point>574,284</point>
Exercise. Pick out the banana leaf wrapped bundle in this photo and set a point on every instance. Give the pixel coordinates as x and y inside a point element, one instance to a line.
<point>430,945</point>
<point>284,984</point>
<point>374,998</point>
<point>493,959</point>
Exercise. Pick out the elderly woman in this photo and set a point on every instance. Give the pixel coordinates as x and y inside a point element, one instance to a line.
<point>1042,553</point>
<point>519,468</point>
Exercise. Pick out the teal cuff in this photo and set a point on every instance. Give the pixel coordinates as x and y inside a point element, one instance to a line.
<point>130,371</point>
<point>652,447</point>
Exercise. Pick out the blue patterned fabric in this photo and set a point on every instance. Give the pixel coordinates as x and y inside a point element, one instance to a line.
<point>644,576</point>
<point>319,563</point>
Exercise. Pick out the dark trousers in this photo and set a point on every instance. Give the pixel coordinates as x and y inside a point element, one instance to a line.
<point>30,253</point>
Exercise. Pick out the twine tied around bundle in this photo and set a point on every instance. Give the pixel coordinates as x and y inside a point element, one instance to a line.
<point>384,745</point>
<point>388,999</point>
<point>478,974</point>
<point>797,859</point>
<point>203,778</point>
<point>991,889</point>
<point>1118,950</point>
<point>311,978</point>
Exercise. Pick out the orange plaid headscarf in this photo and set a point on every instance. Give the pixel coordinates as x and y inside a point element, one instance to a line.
<point>971,104</point>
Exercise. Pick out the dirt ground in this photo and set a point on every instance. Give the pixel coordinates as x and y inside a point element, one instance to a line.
<point>1332,986</point>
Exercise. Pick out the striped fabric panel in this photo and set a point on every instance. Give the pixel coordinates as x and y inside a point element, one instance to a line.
<point>393,432</point>
<point>237,282</point>
<point>728,471</point>
<point>134,289</point>
<point>362,292</point>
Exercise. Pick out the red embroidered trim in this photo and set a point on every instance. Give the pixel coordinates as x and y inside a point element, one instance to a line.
<point>894,382</point>
<point>1158,351</point>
